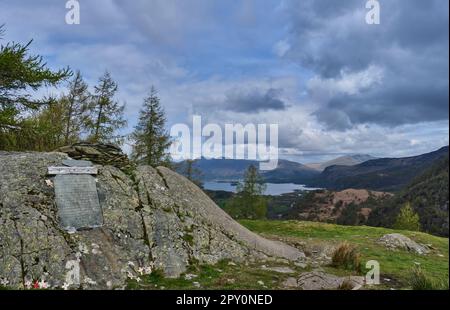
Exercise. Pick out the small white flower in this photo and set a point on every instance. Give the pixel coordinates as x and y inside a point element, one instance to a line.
<point>65,286</point>
<point>49,183</point>
<point>148,270</point>
<point>4,281</point>
<point>89,281</point>
<point>28,284</point>
<point>43,284</point>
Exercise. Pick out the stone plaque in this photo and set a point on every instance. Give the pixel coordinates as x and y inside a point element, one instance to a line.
<point>77,201</point>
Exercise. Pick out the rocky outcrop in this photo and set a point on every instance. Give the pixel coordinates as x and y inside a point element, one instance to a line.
<point>156,219</point>
<point>102,154</point>
<point>186,225</point>
<point>399,241</point>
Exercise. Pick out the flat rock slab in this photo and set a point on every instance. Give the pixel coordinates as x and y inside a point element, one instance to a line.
<point>77,201</point>
<point>318,280</point>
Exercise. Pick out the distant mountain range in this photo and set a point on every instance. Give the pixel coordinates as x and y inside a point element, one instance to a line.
<point>348,160</point>
<point>383,174</point>
<point>234,169</point>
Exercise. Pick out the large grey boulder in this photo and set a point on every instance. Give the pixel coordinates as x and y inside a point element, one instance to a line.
<point>34,248</point>
<point>399,241</point>
<point>185,225</point>
<point>156,218</point>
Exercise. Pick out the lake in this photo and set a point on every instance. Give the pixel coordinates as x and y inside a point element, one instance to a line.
<point>273,189</point>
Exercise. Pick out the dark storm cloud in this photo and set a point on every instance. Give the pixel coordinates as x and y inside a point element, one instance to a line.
<point>254,101</point>
<point>410,45</point>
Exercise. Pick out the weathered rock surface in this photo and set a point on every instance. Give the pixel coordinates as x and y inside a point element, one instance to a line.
<point>102,154</point>
<point>319,280</point>
<point>159,218</point>
<point>185,225</point>
<point>399,241</point>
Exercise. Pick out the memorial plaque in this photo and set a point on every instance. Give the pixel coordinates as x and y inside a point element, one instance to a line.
<point>77,201</point>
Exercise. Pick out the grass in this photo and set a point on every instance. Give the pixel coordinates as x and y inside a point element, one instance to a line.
<point>395,265</point>
<point>223,275</point>
<point>421,281</point>
<point>356,242</point>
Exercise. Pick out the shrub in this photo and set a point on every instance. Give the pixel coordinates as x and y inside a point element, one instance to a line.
<point>407,219</point>
<point>346,256</point>
<point>419,280</point>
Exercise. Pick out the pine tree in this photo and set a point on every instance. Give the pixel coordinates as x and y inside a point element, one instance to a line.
<point>151,140</point>
<point>106,113</point>
<point>407,219</point>
<point>249,202</point>
<point>76,107</point>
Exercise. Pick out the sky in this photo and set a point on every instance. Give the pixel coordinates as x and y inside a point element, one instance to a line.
<point>334,84</point>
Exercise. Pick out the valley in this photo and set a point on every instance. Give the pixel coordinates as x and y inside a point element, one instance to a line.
<point>367,193</point>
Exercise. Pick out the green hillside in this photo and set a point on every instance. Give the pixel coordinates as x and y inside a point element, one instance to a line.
<point>395,265</point>
<point>428,195</point>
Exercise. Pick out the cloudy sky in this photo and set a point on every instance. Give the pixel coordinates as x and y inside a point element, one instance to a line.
<point>334,84</point>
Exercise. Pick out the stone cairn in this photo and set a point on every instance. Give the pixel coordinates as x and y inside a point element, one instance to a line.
<point>98,153</point>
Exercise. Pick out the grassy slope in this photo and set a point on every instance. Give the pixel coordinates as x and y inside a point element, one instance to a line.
<point>395,265</point>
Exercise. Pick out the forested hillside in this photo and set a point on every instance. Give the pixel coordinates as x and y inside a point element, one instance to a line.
<point>428,195</point>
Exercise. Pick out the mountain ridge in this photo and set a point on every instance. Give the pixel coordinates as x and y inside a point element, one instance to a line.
<point>234,169</point>
<point>383,174</point>
<point>346,160</point>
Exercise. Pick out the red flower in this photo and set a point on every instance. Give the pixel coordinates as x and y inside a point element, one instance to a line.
<point>36,284</point>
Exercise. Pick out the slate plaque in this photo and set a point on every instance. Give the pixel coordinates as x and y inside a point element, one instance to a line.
<point>77,201</point>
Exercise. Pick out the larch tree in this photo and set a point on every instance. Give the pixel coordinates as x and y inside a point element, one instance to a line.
<point>150,138</point>
<point>106,114</point>
<point>75,105</point>
<point>21,75</point>
<point>249,202</point>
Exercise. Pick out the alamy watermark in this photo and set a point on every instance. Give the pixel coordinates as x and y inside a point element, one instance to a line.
<point>73,13</point>
<point>373,275</point>
<point>373,15</point>
<point>236,141</point>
